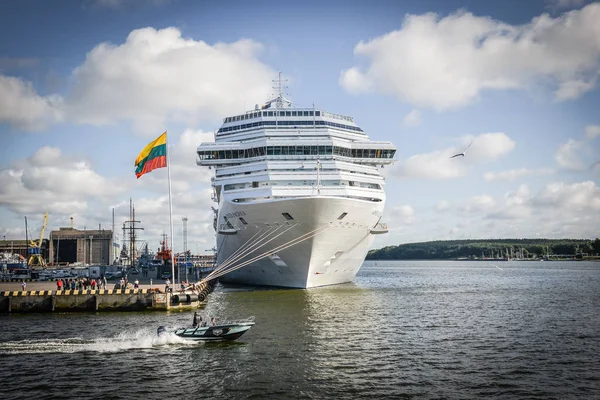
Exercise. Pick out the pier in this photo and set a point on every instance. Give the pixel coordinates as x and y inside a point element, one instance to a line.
<point>20,301</point>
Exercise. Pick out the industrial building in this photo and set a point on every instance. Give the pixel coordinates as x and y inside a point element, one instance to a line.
<point>21,246</point>
<point>70,245</point>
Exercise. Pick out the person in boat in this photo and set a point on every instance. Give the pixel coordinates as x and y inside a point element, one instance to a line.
<point>195,322</point>
<point>213,321</point>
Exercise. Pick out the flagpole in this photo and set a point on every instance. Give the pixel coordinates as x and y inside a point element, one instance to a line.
<point>170,214</point>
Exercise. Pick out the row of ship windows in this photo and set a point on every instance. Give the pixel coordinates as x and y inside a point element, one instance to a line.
<point>252,199</point>
<point>258,114</point>
<point>295,151</point>
<point>287,124</point>
<point>287,170</point>
<point>324,183</point>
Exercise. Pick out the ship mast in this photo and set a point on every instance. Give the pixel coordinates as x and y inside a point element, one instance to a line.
<point>279,85</point>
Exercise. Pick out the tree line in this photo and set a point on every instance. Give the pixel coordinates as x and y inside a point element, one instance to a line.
<point>489,248</point>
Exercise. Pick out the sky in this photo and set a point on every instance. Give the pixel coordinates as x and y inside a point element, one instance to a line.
<point>86,84</point>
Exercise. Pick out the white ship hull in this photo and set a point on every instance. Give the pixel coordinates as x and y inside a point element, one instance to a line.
<point>333,255</point>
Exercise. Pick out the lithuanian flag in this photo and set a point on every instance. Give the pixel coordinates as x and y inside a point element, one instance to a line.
<point>153,156</point>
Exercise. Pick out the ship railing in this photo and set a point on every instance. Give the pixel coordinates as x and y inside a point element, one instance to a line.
<point>228,229</point>
<point>379,228</point>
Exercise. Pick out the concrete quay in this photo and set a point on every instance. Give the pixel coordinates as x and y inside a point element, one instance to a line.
<point>141,299</point>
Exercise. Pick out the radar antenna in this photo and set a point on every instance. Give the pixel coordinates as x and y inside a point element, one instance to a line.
<point>279,85</point>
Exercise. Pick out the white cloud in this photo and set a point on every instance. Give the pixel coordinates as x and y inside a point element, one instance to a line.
<point>515,206</point>
<point>446,63</point>
<point>592,131</point>
<point>353,81</point>
<point>568,155</point>
<point>413,118</point>
<point>576,197</point>
<point>555,210</point>
<point>519,197</point>
<point>558,210</point>
<point>22,107</point>
<point>434,165</point>
<point>155,77</point>
<point>438,164</point>
<point>53,182</point>
<point>513,174</point>
<point>478,204</point>
<point>490,146</point>
<point>442,205</point>
<point>573,89</point>
<point>400,215</point>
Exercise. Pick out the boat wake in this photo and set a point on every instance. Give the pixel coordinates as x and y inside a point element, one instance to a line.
<point>142,339</point>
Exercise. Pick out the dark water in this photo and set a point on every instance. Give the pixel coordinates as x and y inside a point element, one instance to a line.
<point>401,330</point>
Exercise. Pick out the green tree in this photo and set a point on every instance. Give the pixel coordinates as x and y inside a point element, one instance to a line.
<point>596,246</point>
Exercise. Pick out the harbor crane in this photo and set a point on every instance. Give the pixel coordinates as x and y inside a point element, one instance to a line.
<point>35,247</point>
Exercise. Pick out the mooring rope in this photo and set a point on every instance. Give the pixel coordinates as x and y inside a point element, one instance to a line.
<point>261,245</point>
<point>256,245</point>
<point>222,271</point>
<point>242,248</point>
<point>284,246</point>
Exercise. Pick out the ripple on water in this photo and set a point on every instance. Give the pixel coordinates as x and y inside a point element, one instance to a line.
<point>401,330</point>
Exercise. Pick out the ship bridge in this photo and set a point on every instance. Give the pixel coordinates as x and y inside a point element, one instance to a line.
<point>280,148</point>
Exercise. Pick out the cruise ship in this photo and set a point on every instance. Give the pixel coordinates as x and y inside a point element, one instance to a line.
<point>299,192</point>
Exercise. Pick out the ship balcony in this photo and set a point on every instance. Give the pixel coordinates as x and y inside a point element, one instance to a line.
<point>379,228</point>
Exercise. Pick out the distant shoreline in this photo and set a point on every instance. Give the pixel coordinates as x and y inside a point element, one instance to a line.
<point>492,250</point>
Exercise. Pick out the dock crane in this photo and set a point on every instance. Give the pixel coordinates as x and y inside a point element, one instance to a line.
<point>35,247</point>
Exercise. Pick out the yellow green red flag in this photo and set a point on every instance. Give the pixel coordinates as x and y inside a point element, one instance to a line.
<point>153,156</point>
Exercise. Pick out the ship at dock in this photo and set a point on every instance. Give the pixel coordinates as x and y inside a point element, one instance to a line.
<point>299,192</point>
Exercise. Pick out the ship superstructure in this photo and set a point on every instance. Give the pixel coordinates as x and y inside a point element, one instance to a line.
<point>299,195</point>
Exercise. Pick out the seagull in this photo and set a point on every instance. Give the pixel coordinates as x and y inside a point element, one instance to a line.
<point>463,153</point>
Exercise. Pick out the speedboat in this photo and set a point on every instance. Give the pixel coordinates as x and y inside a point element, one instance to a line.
<point>228,330</point>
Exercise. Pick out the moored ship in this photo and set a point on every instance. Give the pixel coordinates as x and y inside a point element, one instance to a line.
<point>12,261</point>
<point>299,192</point>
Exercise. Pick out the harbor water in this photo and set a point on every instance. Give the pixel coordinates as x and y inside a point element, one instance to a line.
<point>402,329</point>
